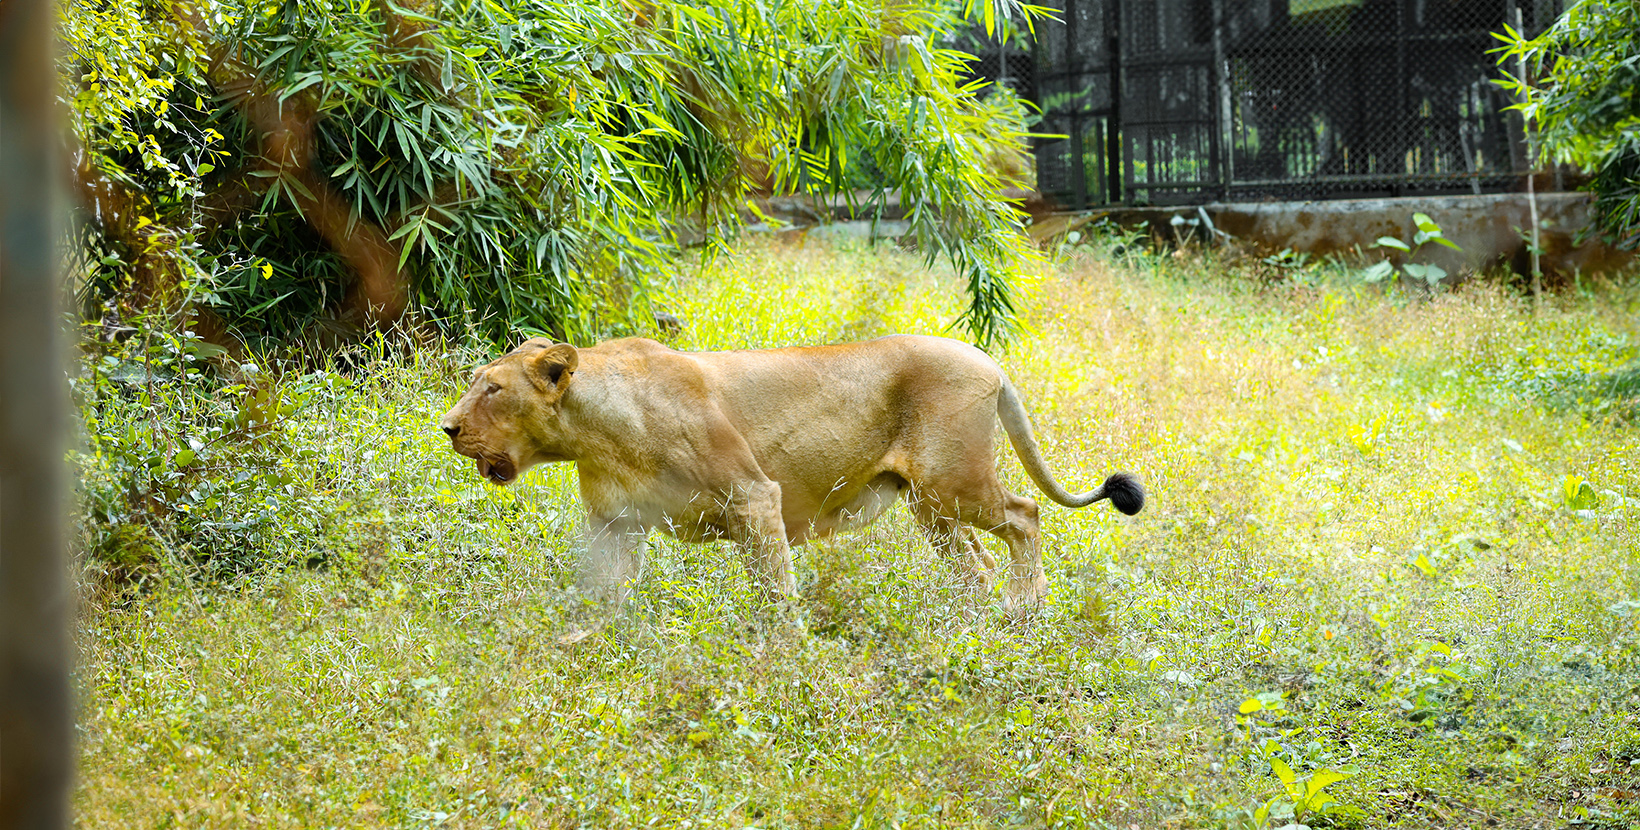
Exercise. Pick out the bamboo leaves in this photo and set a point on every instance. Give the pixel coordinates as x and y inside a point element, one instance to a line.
<point>514,154</point>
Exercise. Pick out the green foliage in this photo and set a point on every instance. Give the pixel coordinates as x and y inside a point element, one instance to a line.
<point>529,163</point>
<point>1593,373</point>
<point>1287,259</point>
<point>1125,245</point>
<point>1302,795</point>
<point>1582,91</point>
<point>191,460</point>
<point>1429,273</point>
<point>1448,613</point>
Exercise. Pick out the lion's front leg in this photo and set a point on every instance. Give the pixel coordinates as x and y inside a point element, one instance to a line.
<point>754,522</point>
<point>614,558</point>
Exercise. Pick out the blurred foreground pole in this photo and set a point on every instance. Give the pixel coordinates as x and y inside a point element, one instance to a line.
<point>36,730</point>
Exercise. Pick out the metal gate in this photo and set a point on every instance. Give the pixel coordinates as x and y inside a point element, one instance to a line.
<point>1274,99</point>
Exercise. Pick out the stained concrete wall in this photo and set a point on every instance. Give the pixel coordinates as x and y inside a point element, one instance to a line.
<point>1485,226</point>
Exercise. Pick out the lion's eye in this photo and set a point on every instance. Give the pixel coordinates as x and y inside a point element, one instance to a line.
<point>492,389</point>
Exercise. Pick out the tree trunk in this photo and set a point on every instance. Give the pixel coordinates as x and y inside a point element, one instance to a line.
<point>36,720</point>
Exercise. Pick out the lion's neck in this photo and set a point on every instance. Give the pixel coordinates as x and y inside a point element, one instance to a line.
<point>592,421</point>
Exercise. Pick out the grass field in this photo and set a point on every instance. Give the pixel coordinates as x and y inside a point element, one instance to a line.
<point>1387,577</point>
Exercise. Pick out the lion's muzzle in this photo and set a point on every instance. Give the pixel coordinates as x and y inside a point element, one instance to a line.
<point>498,469</point>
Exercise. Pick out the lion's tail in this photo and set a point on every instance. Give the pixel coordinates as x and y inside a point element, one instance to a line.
<point>1123,489</point>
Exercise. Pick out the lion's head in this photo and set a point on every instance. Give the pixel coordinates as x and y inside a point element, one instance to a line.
<point>507,418</point>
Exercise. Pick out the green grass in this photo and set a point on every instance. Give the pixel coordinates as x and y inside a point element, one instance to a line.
<point>1367,511</point>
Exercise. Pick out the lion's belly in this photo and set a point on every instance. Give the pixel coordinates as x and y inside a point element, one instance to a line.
<point>691,531</point>
<point>808,511</point>
<point>696,516</point>
<point>845,507</point>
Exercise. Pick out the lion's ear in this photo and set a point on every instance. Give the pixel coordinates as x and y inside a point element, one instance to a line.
<point>553,364</point>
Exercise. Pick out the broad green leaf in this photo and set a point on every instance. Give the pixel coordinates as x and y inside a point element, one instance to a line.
<point>1578,494</point>
<point>1321,779</point>
<point>1424,566</point>
<point>1377,272</point>
<point>1442,671</point>
<point>1282,771</point>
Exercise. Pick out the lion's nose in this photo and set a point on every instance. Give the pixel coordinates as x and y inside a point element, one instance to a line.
<point>451,430</point>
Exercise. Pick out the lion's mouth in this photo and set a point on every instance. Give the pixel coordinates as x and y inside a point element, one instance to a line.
<point>499,471</point>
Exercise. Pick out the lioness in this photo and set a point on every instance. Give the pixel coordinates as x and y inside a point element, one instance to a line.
<point>769,448</point>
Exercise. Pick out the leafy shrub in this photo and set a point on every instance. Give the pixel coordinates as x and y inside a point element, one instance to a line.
<point>289,167</point>
<point>1429,273</point>
<point>1596,375</point>
<point>189,458</point>
<point>1581,94</point>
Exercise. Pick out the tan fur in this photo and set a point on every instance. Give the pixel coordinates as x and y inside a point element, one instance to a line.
<point>765,448</point>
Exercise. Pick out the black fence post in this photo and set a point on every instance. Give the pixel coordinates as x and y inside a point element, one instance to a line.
<point>1074,121</point>
<point>1223,138</point>
<point>1117,160</point>
<point>1079,163</point>
<point>1402,133</point>
<point>36,726</point>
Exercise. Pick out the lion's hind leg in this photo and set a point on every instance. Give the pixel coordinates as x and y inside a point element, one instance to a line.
<point>1018,525</point>
<point>1013,519</point>
<point>956,544</point>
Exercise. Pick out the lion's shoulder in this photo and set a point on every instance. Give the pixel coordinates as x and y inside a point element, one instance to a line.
<point>634,356</point>
<point>630,346</point>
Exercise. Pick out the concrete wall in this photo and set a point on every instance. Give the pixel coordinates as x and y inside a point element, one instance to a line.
<point>1485,226</point>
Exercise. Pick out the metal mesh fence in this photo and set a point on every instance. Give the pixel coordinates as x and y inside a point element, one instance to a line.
<point>1074,74</point>
<point>1286,99</point>
<point>1003,65</point>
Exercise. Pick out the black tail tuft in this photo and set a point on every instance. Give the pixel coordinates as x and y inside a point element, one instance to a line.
<point>1125,492</point>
